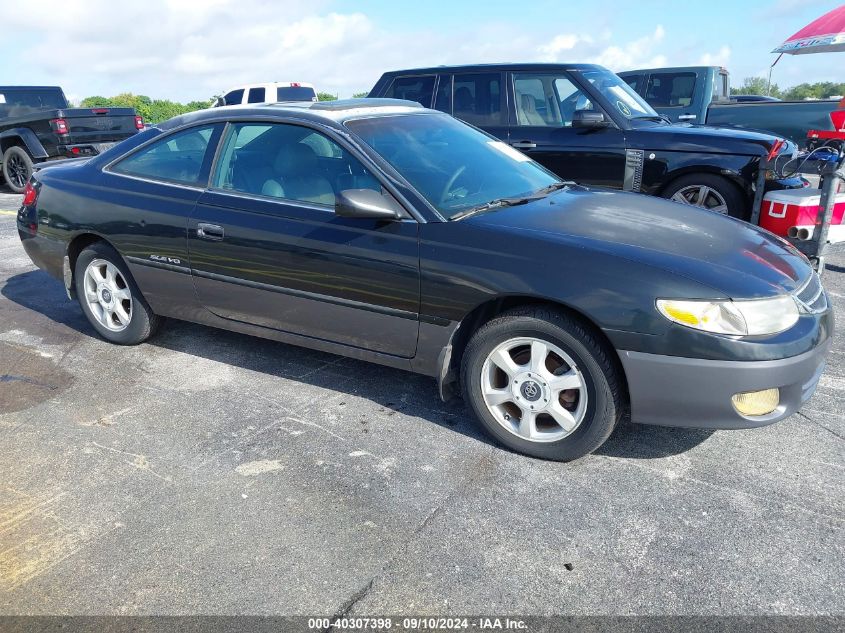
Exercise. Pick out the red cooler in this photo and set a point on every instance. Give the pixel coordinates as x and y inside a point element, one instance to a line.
<point>793,213</point>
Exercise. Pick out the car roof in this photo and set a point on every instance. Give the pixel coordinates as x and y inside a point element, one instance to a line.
<point>501,66</point>
<point>9,88</point>
<point>332,112</point>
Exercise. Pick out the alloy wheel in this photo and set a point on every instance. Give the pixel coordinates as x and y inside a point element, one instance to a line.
<point>702,196</point>
<point>108,295</point>
<point>17,170</point>
<point>534,389</point>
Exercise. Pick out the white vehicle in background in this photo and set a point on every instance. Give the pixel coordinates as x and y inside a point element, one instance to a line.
<point>268,93</point>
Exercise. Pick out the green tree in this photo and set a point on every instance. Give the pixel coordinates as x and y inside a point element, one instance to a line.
<point>326,96</point>
<point>755,86</point>
<point>360,95</point>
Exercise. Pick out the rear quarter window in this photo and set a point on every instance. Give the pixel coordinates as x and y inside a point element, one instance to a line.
<point>419,89</point>
<point>175,158</point>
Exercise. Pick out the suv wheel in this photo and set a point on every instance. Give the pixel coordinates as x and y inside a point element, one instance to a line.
<point>110,298</point>
<point>710,192</point>
<point>17,168</point>
<point>543,384</point>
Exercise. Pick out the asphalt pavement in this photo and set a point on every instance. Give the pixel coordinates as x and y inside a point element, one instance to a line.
<point>210,472</point>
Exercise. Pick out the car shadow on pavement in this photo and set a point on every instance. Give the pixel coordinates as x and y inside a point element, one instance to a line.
<point>396,390</point>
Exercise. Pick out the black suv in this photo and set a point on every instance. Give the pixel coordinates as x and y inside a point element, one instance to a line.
<point>36,124</point>
<point>586,124</point>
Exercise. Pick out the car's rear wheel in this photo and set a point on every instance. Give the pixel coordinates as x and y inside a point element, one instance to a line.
<point>708,191</point>
<point>110,298</point>
<point>17,168</point>
<point>543,383</point>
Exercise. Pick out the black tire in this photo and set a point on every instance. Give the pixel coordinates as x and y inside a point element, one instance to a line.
<point>17,168</point>
<point>600,370</point>
<point>143,322</point>
<point>736,202</point>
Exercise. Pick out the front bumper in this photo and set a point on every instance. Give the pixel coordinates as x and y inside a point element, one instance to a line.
<point>693,392</point>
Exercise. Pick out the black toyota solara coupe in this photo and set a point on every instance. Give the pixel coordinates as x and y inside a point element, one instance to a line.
<point>385,231</point>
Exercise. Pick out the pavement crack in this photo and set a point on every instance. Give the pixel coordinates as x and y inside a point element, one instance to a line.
<point>347,606</point>
<point>819,424</point>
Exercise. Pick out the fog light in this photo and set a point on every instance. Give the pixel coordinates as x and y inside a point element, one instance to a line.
<point>756,402</point>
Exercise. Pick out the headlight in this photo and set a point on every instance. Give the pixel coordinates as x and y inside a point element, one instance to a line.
<point>737,318</point>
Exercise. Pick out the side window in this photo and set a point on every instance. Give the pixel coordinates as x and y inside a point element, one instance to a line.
<point>419,89</point>
<point>443,99</point>
<point>547,100</point>
<point>256,95</point>
<point>175,158</point>
<point>635,81</point>
<point>477,99</point>
<point>670,90</point>
<point>235,97</point>
<point>289,162</point>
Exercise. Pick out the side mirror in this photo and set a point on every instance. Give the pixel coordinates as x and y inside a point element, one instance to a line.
<point>589,119</point>
<point>218,102</point>
<point>367,203</point>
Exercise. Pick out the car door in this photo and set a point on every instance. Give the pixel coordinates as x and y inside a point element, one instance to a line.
<point>675,95</point>
<point>541,126</point>
<point>267,248</point>
<point>150,194</point>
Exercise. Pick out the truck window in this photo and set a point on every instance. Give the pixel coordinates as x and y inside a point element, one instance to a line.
<point>477,99</point>
<point>668,90</point>
<point>443,100</point>
<point>256,95</point>
<point>295,93</point>
<point>419,89</point>
<point>235,97</point>
<point>635,81</point>
<point>547,100</point>
<point>25,100</point>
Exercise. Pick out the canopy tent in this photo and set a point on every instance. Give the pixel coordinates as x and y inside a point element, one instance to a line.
<point>824,35</point>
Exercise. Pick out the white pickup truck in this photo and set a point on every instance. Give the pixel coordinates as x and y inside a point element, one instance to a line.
<point>273,92</point>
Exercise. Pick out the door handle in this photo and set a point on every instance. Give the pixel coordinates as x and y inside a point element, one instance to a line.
<point>524,145</point>
<point>210,232</point>
<point>686,117</point>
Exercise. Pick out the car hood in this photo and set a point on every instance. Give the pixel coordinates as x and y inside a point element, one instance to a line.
<point>735,259</point>
<point>701,138</point>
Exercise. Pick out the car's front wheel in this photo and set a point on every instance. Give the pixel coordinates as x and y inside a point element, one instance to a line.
<point>543,383</point>
<point>110,298</point>
<point>709,191</point>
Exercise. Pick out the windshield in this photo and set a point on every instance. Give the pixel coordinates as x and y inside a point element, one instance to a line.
<point>455,167</point>
<point>619,94</point>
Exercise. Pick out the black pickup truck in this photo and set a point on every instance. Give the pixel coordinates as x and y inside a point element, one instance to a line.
<point>586,124</point>
<point>36,124</point>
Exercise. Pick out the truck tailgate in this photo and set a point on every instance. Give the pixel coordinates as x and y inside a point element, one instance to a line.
<point>99,125</point>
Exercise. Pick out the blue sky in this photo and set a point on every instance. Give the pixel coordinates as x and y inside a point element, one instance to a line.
<point>191,49</point>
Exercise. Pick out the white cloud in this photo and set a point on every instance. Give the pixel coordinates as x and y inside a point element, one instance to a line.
<point>637,53</point>
<point>720,58</point>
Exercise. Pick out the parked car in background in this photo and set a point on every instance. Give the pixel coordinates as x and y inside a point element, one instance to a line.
<point>701,95</point>
<point>587,125</point>
<point>419,242</point>
<point>268,93</point>
<point>37,124</point>
<point>752,98</point>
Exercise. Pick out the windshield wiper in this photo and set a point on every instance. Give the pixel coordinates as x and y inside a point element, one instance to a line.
<point>554,187</point>
<point>493,204</point>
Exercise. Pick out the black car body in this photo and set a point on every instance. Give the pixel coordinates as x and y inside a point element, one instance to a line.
<point>621,142</point>
<point>202,231</point>
<point>37,124</point>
